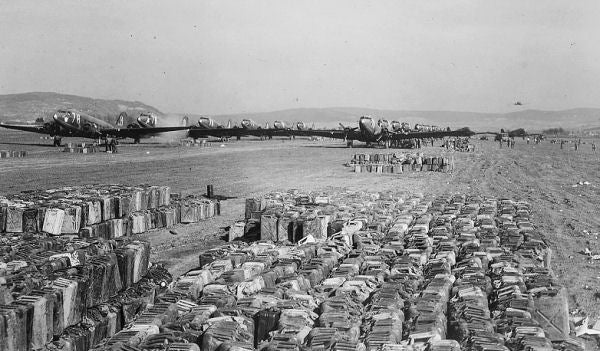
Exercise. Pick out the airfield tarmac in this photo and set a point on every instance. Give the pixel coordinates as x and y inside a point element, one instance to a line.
<point>543,175</point>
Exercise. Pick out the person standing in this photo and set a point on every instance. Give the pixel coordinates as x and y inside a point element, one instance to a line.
<point>113,145</point>
<point>593,146</point>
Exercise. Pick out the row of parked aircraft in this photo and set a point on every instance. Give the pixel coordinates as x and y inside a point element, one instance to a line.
<point>368,131</point>
<point>74,123</point>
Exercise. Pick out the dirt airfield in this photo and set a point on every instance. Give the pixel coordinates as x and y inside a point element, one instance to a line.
<point>566,210</point>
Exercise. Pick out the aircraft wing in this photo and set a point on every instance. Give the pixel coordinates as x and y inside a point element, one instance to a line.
<point>34,128</point>
<point>464,132</point>
<point>139,132</point>
<point>196,132</point>
<point>263,132</point>
<point>345,134</point>
<point>349,134</point>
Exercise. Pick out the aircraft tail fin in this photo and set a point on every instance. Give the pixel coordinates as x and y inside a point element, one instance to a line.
<point>121,119</point>
<point>229,124</point>
<point>267,125</point>
<point>184,121</point>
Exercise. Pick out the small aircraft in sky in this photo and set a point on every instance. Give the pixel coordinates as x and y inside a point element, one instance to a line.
<point>74,123</point>
<point>518,103</point>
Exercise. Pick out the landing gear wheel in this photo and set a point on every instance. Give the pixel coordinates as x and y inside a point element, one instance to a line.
<point>57,141</point>
<point>350,143</point>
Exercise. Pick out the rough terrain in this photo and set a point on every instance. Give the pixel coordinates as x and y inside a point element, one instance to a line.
<point>566,209</point>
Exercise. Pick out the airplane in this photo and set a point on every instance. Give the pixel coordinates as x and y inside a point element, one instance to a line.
<point>517,133</point>
<point>74,123</point>
<point>209,123</point>
<point>518,103</point>
<point>302,126</point>
<point>368,131</point>
<point>207,128</point>
<point>281,125</point>
<point>396,126</point>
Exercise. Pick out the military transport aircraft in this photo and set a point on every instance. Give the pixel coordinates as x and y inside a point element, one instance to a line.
<point>517,133</point>
<point>209,123</point>
<point>209,127</point>
<point>73,123</point>
<point>368,131</point>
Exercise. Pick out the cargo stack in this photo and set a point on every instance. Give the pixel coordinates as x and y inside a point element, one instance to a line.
<point>70,295</point>
<point>101,211</point>
<point>396,271</point>
<point>13,153</point>
<point>81,148</point>
<point>194,143</point>
<point>399,163</point>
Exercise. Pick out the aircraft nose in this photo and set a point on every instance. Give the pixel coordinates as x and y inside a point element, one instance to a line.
<point>365,122</point>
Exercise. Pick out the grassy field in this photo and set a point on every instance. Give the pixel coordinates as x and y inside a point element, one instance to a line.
<point>566,212</point>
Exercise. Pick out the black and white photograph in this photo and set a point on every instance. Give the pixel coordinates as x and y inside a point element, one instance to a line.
<point>334,175</point>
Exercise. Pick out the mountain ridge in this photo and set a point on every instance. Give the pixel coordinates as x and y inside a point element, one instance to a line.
<point>32,105</point>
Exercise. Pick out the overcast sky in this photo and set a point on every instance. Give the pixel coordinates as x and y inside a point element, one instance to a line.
<point>214,57</point>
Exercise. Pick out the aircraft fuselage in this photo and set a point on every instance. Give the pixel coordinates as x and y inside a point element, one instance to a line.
<point>369,129</point>
<point>208,123</point>
<point>249,124</point>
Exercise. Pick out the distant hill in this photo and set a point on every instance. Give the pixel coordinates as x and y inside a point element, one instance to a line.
<point>29,106</point>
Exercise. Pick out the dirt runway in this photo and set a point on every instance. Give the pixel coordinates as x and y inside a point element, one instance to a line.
<point>544,175</point>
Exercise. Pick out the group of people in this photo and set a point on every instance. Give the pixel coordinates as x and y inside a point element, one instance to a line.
<point>510,142</point>
<point>111,144</point>
<point>577,144</point>
<point>459,144</point>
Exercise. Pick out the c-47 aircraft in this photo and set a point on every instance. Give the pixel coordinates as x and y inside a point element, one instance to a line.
<point>73,123</point>
<point>209,127</point>
<point>209,123</point>
<point>368,131</point>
